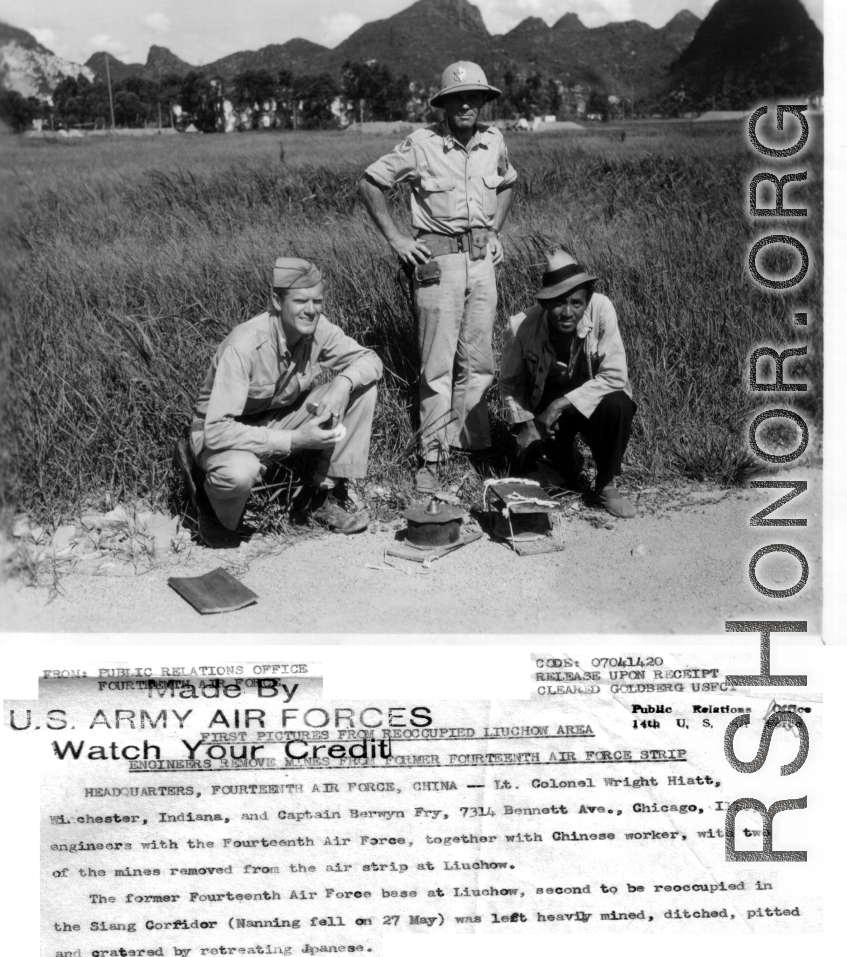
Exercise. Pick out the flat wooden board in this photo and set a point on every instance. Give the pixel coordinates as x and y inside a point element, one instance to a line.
<point>539,547</point>
<point>215,592</point>
<point>412,554</point>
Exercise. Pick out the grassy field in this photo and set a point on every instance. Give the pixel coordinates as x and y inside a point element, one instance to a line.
<point>130,259</point>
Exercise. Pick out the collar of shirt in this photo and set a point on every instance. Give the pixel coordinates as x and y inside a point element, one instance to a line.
<point>282,343</point>
<point>585,325</point>
<point>450,141</point>
<point>276,328</point>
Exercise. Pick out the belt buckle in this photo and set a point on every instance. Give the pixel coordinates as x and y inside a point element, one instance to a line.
<point>462,242</point>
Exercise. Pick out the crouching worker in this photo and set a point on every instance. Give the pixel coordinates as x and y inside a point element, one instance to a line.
<point>563,373</point>
<point>258,406</point>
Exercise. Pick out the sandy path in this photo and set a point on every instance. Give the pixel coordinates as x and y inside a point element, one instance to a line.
<point>692,577</point>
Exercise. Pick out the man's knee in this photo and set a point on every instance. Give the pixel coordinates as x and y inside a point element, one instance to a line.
<point>361,406</point>
<point>616,405</point>
<point>238,472</point>
<point>364,397</point>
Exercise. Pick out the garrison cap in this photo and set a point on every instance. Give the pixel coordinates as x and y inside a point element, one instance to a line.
<point>295,274</point>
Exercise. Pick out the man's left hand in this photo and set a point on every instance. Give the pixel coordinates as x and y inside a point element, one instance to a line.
<point>496,248</point>
<point>549,418</point>
<point>332,397</point>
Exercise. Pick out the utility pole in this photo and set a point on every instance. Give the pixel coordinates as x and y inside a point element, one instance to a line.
<point>109,84</point>
<point>159,104</point>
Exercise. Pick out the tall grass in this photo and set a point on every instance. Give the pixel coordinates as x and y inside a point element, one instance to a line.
<point>131,260</point>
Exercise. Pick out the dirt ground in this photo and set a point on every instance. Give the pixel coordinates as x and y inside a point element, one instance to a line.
<point>679,568</point>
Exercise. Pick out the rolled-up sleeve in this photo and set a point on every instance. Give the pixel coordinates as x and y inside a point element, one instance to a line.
<point>345,356</point>
<point>395,167</point>
<point>611,372</point>
<point>514,381</point>
<point>221,429</point>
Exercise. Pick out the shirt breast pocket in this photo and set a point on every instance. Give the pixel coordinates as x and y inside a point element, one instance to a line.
<point>490,185</point>
<point>438,194</point>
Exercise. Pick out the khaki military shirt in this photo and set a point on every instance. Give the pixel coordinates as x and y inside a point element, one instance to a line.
<point>254,372</point>
<point>454,188</point>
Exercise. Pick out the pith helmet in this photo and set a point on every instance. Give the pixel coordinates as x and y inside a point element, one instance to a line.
<point>561,274</point>
<point>462,76</point>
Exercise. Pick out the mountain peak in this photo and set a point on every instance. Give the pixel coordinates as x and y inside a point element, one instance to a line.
<point>97,60</point>
<point>630,28</point>
<point>749,44</point>
<point>531,26</point>
<point>679,31</point>
<point>461,13</point>
<point>462,10</point>
<point>570,21</point>
<point>419,41</point>
<point>29,67</point>
<point>118,70</point>
<point>10,34</point>
<point>683,18</point>
<point>161,60</point>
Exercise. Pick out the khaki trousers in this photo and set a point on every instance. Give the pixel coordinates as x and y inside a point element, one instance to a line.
<point>455,322</point>
<point>231,474</point>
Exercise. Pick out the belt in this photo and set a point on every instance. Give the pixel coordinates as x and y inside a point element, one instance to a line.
<point>473,241</point>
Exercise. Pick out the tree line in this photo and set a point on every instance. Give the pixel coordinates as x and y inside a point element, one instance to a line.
<point>365,91</point>
<point>368,91</point>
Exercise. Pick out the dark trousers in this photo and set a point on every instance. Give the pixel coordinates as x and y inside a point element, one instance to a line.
<point>606,433</point>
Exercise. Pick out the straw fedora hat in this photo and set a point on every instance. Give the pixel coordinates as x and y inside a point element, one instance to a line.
<point>462,76</point>
<point>561,274</point>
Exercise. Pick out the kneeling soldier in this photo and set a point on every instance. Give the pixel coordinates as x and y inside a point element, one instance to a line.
<point>563,373</point>
<point>258,405</point>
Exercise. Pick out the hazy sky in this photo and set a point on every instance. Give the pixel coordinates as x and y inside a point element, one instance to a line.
<point>200,31</point>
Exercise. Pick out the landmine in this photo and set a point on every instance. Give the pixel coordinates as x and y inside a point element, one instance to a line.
<point>519,514</point>
<point>432,532</point>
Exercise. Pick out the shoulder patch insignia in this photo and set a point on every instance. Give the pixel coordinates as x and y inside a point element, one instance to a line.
<point>405,146</point>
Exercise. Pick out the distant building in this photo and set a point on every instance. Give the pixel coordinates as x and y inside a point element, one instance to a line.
<point>225,121</point>
<point>341,109</point>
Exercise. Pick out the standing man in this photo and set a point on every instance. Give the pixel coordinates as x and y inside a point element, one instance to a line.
<point>461,183</point>
<point>259,404</point>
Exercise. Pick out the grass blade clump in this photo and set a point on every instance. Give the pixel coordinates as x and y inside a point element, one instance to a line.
<point>132,260</point>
